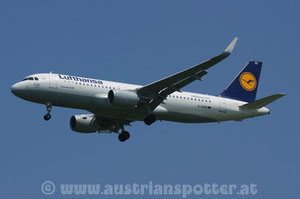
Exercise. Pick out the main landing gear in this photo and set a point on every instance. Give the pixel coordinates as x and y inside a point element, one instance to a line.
<point>48,115</point>
<point>150,119</point>
<point>123,136</point>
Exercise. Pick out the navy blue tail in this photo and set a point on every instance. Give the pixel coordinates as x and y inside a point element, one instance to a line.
<point>244,86</point>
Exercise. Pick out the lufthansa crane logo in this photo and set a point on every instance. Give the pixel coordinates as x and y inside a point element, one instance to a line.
<point>248,81</point>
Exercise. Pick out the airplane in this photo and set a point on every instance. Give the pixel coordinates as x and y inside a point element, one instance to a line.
<point>114,105</point>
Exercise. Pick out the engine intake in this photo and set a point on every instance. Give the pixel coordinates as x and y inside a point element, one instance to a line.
<point>123,98</point>
<point>84,123</point>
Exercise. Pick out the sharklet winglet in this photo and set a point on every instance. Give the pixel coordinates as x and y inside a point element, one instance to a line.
<point>230,47</point>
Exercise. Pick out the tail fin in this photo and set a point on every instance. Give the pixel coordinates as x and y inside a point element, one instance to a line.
<point>244,86</point>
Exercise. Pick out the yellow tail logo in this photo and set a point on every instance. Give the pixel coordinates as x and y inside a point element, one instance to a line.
<point>248,81</point>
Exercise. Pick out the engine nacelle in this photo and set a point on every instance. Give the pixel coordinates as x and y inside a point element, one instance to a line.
<point>123,98</point>
<point>84,123</point>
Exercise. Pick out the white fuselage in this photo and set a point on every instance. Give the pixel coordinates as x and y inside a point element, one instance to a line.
<point>91,95</point>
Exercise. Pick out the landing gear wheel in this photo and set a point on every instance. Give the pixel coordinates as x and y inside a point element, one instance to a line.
<point>49,107</point>
<point>150,119</point>
<point>126,135</point>
<point>47,117</point>
<point>123,136</point>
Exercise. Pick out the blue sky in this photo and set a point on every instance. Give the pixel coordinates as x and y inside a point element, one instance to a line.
<point>140,42</point>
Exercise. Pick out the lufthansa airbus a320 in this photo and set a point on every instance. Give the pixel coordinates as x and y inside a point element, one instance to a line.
<point>114,105</point>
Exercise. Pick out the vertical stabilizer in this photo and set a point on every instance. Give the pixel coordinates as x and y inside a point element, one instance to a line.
<point>244,86</point>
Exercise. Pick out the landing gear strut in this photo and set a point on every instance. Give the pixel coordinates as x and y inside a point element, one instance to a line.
<point>150,119</point>
<point>48,115</point>
<point>123,136</point>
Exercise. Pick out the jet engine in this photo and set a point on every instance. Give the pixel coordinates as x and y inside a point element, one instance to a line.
<point>84,123</point>
<point>123,98</point>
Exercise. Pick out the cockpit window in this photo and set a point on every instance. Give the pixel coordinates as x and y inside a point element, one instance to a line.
<point>36,78</point>
<point>28,78</point>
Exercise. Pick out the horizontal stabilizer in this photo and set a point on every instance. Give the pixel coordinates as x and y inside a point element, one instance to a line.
<point>262,102</point>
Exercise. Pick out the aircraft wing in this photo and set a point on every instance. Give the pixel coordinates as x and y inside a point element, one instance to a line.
<point>156,92</point>
<point>110,124</point>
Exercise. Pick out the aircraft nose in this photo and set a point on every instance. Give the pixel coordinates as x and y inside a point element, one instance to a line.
<point>16,88</point>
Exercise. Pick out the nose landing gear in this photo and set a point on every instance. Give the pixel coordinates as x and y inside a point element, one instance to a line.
<point>48,115</point>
